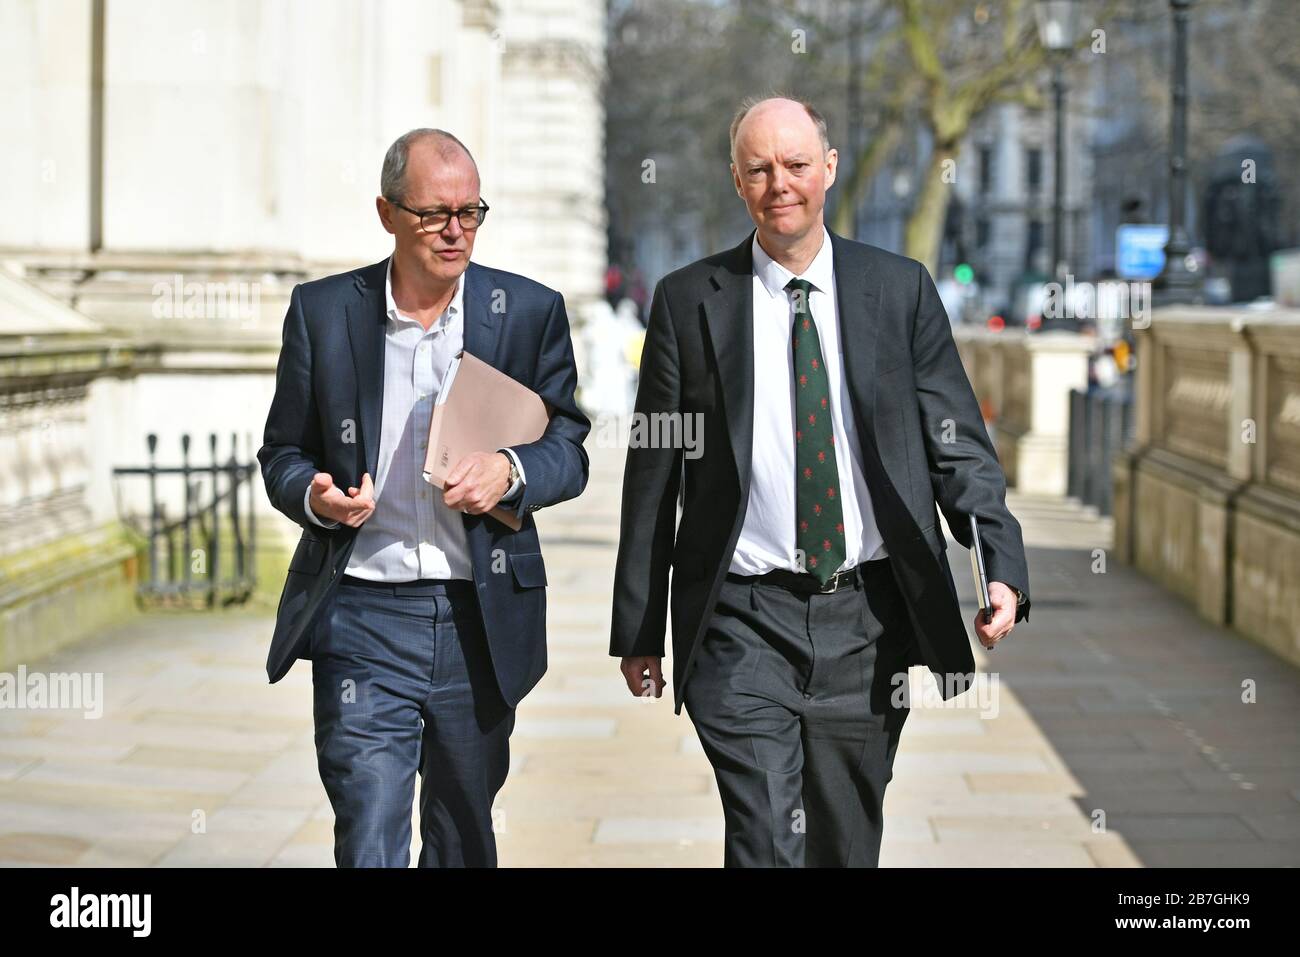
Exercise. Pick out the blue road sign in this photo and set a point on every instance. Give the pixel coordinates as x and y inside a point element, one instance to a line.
<point>1140,250</point>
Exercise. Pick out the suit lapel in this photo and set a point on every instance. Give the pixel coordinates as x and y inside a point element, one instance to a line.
<point>367,318</point>
<point>728,311</point>
<point>367,323</point>
<point>480,338</point>
<point>858,297</point>
<point>482,325</point>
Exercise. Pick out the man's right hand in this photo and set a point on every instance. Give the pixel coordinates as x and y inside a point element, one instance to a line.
<point>329,502</point>
<point>643,674</point>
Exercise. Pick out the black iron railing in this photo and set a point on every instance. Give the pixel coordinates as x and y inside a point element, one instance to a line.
<point>197,555</point>
<point>1101,424</point>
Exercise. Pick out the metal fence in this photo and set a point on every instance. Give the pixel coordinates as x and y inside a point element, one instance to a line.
<point>197,556</point>
<point>1101,424</point>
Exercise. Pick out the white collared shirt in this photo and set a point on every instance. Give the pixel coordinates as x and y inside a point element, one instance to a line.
<point>411,533</point>
<point>767,538</point>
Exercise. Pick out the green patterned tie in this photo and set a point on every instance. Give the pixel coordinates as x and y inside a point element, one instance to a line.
<point>819,519</point>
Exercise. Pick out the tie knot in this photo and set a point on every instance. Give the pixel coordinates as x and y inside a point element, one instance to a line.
<point>801,285</point>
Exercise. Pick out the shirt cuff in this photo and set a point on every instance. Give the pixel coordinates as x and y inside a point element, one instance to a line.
<point>520,482</point>
<point>311,516</point>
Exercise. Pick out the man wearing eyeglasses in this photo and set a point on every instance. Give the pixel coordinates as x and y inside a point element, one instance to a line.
<point>424,617</point>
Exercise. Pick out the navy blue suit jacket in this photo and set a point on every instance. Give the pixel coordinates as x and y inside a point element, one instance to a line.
<point>325,417</point>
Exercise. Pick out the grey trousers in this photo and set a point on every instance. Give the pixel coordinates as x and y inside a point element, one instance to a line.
<point>793,698</point>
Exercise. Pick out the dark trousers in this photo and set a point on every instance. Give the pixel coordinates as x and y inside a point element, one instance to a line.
<point>403,683</point>
<point>794,697</point>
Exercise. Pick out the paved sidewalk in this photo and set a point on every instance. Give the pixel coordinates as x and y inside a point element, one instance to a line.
<point>1113,733</point>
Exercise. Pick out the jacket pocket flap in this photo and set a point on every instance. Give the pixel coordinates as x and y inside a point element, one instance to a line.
<point>528,569</point>
<point>935,537</point>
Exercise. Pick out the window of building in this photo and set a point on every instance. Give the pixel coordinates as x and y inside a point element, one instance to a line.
<point>1034,168</point>
<point>986,169</point>
<point>1033,242</point>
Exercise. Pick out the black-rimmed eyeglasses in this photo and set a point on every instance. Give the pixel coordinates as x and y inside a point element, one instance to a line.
<point>436,220</point>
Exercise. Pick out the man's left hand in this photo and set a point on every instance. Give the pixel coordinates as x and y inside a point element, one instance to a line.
<point>1003,599</point>
<point>478,481</point>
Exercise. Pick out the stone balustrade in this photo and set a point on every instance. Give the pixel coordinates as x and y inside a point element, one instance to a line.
<point>1023,384</point>
<point>1207,501</point>
<point>66,564</point>
<point>77,398</point>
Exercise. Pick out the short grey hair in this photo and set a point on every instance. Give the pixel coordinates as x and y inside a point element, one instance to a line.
<point>392,179</point>
<point>750,102</point>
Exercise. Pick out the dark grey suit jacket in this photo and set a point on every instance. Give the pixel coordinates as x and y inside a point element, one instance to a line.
<point>923,444</point>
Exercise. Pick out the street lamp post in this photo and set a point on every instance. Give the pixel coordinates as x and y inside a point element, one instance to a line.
<point>1058,174</point>
<point>1057,20</point>
<point>1177,283</point>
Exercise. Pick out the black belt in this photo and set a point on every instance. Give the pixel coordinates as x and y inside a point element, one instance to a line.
<point>804,582</point>
<point>420,588</point>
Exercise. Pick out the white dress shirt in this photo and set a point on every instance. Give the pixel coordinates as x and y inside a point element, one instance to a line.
<point>411,533</point>
<point>767,538</point>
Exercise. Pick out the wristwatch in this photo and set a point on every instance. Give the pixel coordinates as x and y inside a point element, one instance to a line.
<point>514,474</point>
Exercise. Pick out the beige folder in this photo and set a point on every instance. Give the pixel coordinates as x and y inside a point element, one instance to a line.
<point>480,409</point>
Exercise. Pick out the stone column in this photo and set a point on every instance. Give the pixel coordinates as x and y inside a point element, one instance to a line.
<point>1026,380</point>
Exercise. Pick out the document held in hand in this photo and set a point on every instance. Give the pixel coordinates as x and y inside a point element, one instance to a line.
<point>978,570</point>
<point>480,409</point>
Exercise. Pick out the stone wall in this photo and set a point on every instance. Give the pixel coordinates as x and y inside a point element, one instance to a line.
<point>1023,382</point>
<point>76,401</point>
<point>240,141</point>
<point>1207,501</point>
<point>67,566</point>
